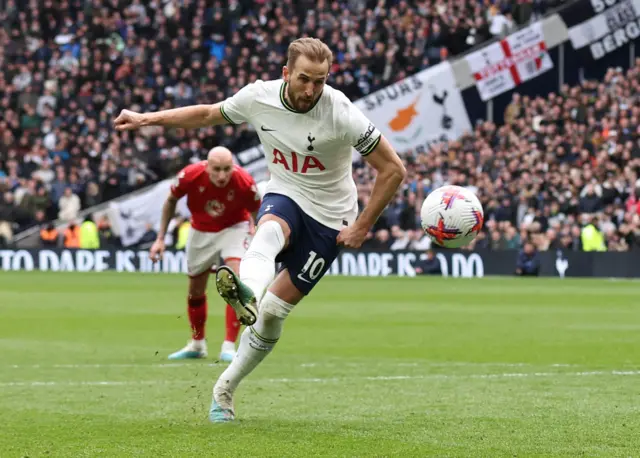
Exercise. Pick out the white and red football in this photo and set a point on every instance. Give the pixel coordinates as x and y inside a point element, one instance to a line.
<point>452,216</point>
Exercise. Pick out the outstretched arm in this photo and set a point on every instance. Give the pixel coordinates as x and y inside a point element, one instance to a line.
<point>192,117</point>
<point>391,174</point>
<point>234,110</point>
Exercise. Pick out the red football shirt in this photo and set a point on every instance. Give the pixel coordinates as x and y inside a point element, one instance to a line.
<point>212,208</point>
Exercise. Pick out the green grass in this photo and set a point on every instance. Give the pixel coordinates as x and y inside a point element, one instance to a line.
<point>366,367</point>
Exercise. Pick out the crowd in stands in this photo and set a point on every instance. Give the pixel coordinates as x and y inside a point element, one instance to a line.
<point>563,172</point>
<point>67,68</point>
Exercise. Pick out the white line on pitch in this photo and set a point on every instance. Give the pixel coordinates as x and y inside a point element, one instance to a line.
<point>323,364</point>
<point>339,379</point>
<point>452,376</point>
<point>106,365</point>
<point>98,383</point>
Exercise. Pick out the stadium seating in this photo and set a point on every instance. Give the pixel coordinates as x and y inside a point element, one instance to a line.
<point>558,165</point>
<point>66,71</point>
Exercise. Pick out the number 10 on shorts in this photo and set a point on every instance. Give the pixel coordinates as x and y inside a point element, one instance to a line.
<point>314,267</point>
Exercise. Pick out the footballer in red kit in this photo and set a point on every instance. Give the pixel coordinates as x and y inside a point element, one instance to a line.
<point>222,197</point>
<point>214,207</point>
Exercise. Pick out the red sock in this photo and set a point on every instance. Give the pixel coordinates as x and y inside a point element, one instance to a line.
<point>232,324</point>
<point>197,316</point>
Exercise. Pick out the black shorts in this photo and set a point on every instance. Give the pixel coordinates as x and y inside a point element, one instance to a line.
<point>312,246</point>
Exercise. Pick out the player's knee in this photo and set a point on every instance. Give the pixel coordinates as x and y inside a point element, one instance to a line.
<point>274,308</point>
<point>197,300</point>
<point>275,229</point>
<point>268,241</point>
<point>196,290</point>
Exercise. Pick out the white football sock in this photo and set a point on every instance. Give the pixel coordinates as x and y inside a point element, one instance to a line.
<point>228,347</point>
<point>198,345</point>
<point>256,342</point>
<point>258,265</point>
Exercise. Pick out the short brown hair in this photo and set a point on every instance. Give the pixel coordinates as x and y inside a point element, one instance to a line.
<point>312,48</point>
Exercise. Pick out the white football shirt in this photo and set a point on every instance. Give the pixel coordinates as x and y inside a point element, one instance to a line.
<point>308,154</point>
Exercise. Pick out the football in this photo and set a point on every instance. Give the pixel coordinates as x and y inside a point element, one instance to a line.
<point>452,216</point>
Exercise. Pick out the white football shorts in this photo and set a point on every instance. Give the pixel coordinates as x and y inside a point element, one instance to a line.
<point>204,249</point>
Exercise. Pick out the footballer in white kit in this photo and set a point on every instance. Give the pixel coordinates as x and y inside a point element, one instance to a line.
<point>309,210</point>
<point>309,160</point>
<point>309,157</point>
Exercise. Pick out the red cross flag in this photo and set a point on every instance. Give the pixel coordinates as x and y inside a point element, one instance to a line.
<point>503,65</point>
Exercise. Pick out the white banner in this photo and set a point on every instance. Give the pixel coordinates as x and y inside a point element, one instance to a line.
<point>421,110</point>
<point>132,215</point>
<point>254,162</point>
<point>503,65</point>
<point>613,26</point>
<point>348,263</point>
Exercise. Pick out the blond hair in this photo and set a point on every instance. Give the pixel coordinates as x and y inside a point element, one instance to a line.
<point>312,48</point>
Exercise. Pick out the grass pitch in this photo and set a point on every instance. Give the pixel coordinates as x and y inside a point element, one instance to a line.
<point>366,367</point>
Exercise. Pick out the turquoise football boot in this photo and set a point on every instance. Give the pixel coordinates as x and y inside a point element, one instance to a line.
<point>193,350</point>
<point>227,352</point>
<point>221,407</point>
<point>218,414</point>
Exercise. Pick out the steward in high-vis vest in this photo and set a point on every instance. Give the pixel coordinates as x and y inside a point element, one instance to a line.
<point>72,236</point>
<point>183,235</point>
<point>592,239</point>
<point>89,235</point>
<point>49,236</point>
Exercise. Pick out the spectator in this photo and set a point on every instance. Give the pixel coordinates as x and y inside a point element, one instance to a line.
<point>430,265</point>
<point>497,242</point>
<point>590,199</point>
<point>69,205</point>
<point>382,241</point>
<point>513,110</point>
<point>419,241</point>
<point>401,239</point>
<point>107,237</point>
<point>10,215</point>
<point>6,219</point>
<point>92,195</point>
<point>148,237</point>
<point>528,263</point>
<point>511,238</point>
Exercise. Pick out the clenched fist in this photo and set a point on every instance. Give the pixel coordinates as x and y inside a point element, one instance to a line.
<point>128,120</point>
<point>352,236</point>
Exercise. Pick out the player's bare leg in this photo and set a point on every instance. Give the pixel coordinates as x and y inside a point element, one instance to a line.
<point>256,343</point>
<point>232,324</point>
<point>197,311</point>
<point>257,269</point>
